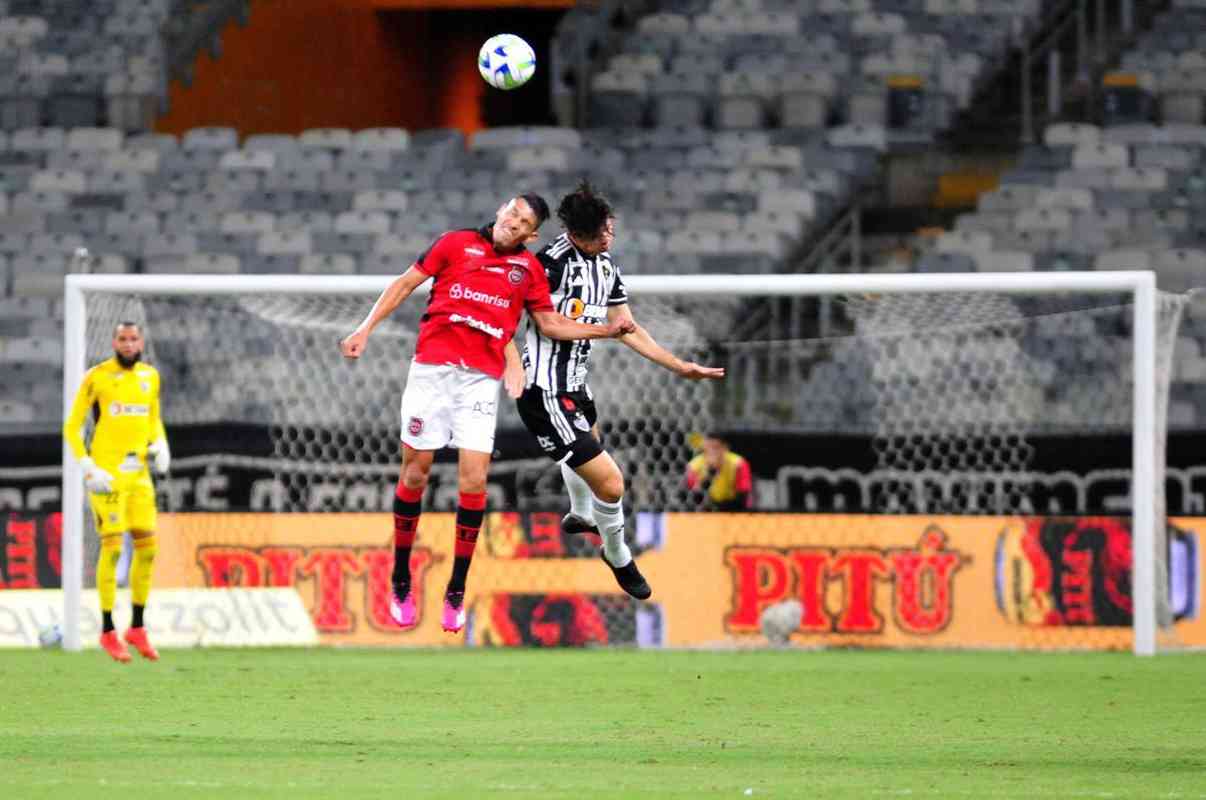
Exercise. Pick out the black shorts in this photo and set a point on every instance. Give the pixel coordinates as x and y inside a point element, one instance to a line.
<point>561,423</point>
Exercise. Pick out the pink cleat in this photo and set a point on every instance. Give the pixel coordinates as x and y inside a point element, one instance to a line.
<point>113,646</point>
<point>137,638</point>
<point>454,611</point>
<point>404,612</point>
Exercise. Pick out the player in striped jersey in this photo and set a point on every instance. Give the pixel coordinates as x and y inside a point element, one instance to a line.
<point>556,404</point>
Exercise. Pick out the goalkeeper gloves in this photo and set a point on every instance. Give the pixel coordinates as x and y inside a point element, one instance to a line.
<point>96,479</point>
<point>159,453</point>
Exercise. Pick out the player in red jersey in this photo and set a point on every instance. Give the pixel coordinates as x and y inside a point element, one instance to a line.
<point>482,281</point>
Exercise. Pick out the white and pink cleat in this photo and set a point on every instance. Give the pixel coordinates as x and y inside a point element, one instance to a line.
<point>404,612</point>
<point>454,611</point>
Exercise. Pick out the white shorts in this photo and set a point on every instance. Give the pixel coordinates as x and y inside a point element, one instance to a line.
<point>446,405</point>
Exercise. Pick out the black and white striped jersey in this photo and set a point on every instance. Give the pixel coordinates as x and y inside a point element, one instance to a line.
<point>582,288</point>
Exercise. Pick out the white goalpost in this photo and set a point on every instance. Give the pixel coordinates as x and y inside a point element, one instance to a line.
<point>83,324</point>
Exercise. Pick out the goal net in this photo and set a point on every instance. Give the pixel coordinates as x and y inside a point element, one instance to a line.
<point>955,383</point>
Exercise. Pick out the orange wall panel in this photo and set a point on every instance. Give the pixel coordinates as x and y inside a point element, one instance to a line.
<point>317,63</point>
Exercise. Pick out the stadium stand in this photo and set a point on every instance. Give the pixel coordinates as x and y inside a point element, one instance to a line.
<point>1167,66</point>
<point>71,64</point>
<point>362,201</point>
<point>906,66</point>
<point>730,134</point>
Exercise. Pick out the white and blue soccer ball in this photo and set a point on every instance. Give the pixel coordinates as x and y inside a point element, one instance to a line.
<point>50,636</point>
<point>506,61</point>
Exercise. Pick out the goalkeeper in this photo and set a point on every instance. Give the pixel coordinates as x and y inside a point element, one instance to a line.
<point>123,396</point>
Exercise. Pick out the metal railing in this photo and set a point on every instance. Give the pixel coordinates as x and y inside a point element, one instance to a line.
<point>1092,38</point>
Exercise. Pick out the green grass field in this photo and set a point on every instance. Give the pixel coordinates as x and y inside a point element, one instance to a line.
<point>606,723</point>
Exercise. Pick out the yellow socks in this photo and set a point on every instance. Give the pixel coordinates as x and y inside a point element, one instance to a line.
<point>141,568</point>
<point>106,571</point>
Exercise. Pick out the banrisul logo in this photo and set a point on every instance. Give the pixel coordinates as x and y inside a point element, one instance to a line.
<point>459,292</point>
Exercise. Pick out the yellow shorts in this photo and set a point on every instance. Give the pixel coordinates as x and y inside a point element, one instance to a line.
<point>129,507</point>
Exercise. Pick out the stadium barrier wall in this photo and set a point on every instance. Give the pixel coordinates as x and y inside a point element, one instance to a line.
<point>863,580</point>
<point>253,617</point>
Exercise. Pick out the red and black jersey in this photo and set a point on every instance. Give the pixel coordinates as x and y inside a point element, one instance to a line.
<point>477,297</point>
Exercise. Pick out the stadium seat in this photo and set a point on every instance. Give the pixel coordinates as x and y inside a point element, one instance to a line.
<point>619,99</point>
<point>1100,155</point>
<point>236,244</point>
<point>283,148</point>
<point>252,160</point>
<point>213,138</point>
<point>335,242</point>
<point>382,264</point>
<point>351,181</point>
<point>213,263</point>
<point>275,202</point>
<point>271,264</point>
<point>301,179</point>
<point>368,160</point>
<point>313,221</point>
<point>327,264</point>
<point>331,139</point>
<point>14,412</point>
<point>1064,198</point>
<point>1005,261</point>
<point>366,222</point>
<point>177,245</point>
<point>75,100</point>
<point>946,262</point>
<point>285,243</point>
<point>142,222</point>
<point>131,101</point>
<point>247,222</point>
<point>974,243</point>
<point>739,112</point>
<point>392,140</point>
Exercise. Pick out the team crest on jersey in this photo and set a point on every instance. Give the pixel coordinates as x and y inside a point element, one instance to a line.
<point>580,423</point>
<point>515,276</point>
<point>146,387</point>
<point>415,426</point>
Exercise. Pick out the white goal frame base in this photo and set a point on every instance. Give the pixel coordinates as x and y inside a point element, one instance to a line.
<point>1140,285</point>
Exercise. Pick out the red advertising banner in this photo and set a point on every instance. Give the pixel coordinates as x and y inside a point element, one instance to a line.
<point>31,547</point>
<point>860,580</point>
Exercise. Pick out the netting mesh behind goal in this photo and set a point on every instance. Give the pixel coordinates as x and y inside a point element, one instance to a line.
<point>951,390</point>
<point>273,361</point>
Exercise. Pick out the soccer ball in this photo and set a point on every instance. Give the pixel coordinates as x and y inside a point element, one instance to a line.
<point>779,621</point>
<point>506,61</point>
<point>50,636</point>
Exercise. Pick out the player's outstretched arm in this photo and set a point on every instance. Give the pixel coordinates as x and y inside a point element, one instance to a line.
<point>557,326</point>
<point>97,480</point>
<point>393,296</point>
<point>513,376</point>
<point>640,341</point>
<point>74,425</point>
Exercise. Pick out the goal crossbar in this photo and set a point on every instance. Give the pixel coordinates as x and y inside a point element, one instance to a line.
<point>1140,285</point>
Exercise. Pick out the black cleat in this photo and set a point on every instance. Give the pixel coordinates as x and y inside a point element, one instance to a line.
<point>572,523</point>
<point>630,578</point>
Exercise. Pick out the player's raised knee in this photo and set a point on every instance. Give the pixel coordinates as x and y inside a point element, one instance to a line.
<point>611,489</point>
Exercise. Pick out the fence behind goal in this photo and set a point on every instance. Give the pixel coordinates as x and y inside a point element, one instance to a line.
<point>952,377</point>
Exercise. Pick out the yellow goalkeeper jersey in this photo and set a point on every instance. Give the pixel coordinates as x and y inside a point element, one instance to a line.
<point>125,403</point>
